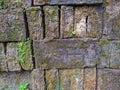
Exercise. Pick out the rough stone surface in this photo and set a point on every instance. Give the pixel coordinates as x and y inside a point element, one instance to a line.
<point>91,55</point>
<point>90,79</point>
<point>71,79</point>
<point>115,55</point>
<point>67,21</point>
<point>11,56</point>
<point>13,80</point>
<point>3,62</point>
<point>48,54</point>
<point>88,22</point>
<point>59,2</point>
<point>112,20</point>
<point>38,79</point>
<point>52,79</point>
<point>104,55</point>
<point>108,79</point>
<point>12,21</point>
<point>51,22</point>
<point>34,17</point>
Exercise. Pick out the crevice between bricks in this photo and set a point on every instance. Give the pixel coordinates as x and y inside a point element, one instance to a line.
<point>45,80</point>
<point>87,26</point>
<point>32,52</point>
<point>59,79</point>
<point>84,79</point>
<point>26,23</point>
<point>32,2</point>
<point>59,30</point>
<point>43,21</point>
<point>5,47</point>
<point>96,78</point>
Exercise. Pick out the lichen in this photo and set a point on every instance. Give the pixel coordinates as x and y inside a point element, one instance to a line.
<point>104,42</point>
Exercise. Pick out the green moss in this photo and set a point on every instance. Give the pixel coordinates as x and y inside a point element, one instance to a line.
<point>104,42</point>
<point>118,47</point>
<point>25,86</point>
<point>3,5</point>
<point>25,57</point>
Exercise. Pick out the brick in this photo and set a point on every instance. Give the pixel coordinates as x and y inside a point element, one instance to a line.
<point>52,79</point>
<point>88,22</point>
<point>104,55</point>
<point>11,56</point>
<point>66,21</point>
<point>91,55</point>
<point>90,79</point>
<point>51,22</point>
<point>67,2</point>
<point>12,21</point>
<point>80,21</point>
<point>13,81</point>
<point>115,55</point>
<point>111,20</point>
<point>108,79</point>
<point>38,79</point>
<point>71,79</point>
<point>3,62</point>
<point>48,54</point>
<point>34,16</point>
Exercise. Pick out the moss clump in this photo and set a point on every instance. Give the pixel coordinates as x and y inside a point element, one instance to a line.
<point>24,86</point>
<point>104,42</point>
<point>3,5</point>
<point>24,55</point>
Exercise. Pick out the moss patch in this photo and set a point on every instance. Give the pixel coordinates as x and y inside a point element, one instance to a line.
<point>104,42</point>
<point>25,57</point>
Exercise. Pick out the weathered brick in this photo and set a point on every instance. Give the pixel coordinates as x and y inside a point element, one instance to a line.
<point>51,22</point>
<point>38,79</point>
<point>11,56</point>
<point>80,21</point>
<point>34,17</point>
<point>66,21</point>
<point>3,62</point>
<point>111,20</point>
<point>108,79</point>
<point>92,55</point>
<point>88,22</point>
<point>12,22</point>
<point>60,53</point>
<point>59,2</point>
<point>52,79</point>
<point>13,80</point>
<point>71,79</point>
<point>104,55</point>
<point>115,55</point>
<point>90,79</point>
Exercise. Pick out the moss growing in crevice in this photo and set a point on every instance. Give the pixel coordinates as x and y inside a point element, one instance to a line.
<point>24,55</point>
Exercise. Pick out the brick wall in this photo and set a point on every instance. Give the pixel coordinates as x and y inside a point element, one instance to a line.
<point>60,44</point>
